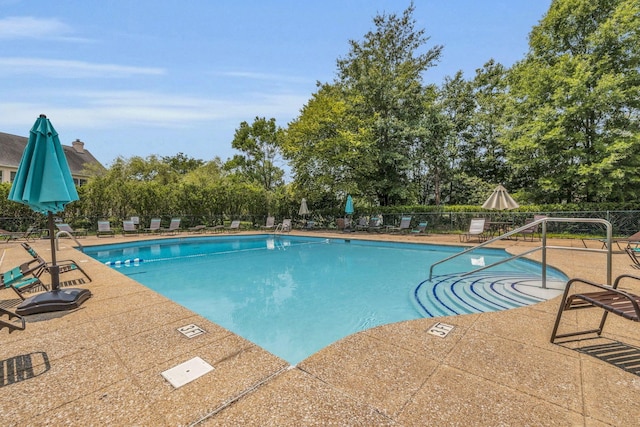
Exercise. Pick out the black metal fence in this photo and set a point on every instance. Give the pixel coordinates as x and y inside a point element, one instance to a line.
<point>624,223</point>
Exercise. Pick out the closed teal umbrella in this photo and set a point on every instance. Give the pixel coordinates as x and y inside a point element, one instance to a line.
<point>348,209</point>
<point>43,180</point>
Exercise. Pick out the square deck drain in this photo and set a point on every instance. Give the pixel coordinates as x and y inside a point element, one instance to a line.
<point>191,331</point>
<point>440,329</point>
<point>186,372</point>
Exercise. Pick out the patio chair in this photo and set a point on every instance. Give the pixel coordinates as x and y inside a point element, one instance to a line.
<point>363,224</point>
<point>104,229</point>
<point>40,266</point>
<point>531,231</point>
<point>174,227</point>
<point>271,222</point>
<point>17,325</point>
<point>29,234</point>
<point>608,298</point>
<point>286,225</point>
<point>633,253</point>
<point>16,280</point>
<point>375,224</point>
<point>154,226</point>
<point>198,229</point>
<point>234,226</point>
<point>421,229</point>
<point>343,224</point>
<point>129,228</point>
<point>476,229</point>
<point>74,233</point>
<point>405,224</point>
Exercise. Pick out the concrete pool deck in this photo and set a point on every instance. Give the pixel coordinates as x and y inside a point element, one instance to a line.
<point>102,364</point>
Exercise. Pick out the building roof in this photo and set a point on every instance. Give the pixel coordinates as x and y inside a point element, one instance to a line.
<point>12,147</point>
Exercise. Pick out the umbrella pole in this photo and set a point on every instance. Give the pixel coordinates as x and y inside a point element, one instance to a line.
<point>54,270</point>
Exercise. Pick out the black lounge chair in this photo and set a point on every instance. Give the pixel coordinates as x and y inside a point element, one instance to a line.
<point>9,323</point>
<point>41,266</point>
<point>29,234</point>
<point>608,298</point>
<point>633,253</point>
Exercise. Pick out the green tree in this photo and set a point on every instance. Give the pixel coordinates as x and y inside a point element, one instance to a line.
<point>182,164</point>
<point>260,146</point>
<point>327,149</point>
<point>576,96</point>
<point>382,77</point>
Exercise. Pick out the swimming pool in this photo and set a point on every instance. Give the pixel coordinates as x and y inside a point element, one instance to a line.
<point>295,295</point>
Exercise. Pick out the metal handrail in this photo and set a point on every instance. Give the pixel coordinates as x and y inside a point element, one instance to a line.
<point>543,246</point>
<point>70,235</point>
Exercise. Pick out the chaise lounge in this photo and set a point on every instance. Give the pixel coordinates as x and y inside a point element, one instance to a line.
<point>608,298</point>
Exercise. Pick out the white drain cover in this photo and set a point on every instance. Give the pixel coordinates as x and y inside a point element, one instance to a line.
<point>186,372</point>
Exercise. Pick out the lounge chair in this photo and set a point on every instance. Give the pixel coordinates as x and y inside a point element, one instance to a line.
<point>375,224</point>
<point>129,228</point>
<point>104,229</point>
<point>40,266</point>
<point>154,226</point>
<point>17,325</point>
<point>19,282</point>
<point>198,229</point>
<point>216,228</point>
<point>531,231</point>
<point>405,224</point>
<point>27,235</point>
<point>476,229</point>
<point>608,298</point>
<point>421,229</point>
<point>286,225</point>
<point>174,226</point>
<point>634,254</point>
<point>363,224</point>
<point>234,226</point>
<point>271,222</point>
<point>343,224</point>
<point>74,233</point>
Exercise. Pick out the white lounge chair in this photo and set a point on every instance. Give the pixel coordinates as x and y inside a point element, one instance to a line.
<point>476,229</point>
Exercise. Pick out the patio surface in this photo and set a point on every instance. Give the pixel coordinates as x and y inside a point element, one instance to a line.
<point>101,364</point>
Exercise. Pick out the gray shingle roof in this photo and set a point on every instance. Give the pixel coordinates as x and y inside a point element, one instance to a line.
<point>12,147</point>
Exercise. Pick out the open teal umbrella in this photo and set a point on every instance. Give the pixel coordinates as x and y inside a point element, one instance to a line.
<point>44,182</point>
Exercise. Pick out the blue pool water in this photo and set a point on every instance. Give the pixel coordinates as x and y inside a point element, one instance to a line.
<point>295,295</point>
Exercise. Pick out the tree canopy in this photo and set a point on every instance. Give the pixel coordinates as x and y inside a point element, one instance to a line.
<point>562,125</point>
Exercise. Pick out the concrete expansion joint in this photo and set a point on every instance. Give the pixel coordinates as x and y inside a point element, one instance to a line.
<point>242,394</point>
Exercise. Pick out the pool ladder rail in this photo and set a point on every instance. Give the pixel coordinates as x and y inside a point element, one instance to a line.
<point>543,246</point>
<point>64,232</point>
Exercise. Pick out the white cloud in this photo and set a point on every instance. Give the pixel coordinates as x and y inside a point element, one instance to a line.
<point>54,68</point>
<point>126,109</point>
<point>27,27</point>
<point>263,76</point>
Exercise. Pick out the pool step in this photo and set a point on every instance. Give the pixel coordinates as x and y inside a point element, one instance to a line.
<point>481,292</point>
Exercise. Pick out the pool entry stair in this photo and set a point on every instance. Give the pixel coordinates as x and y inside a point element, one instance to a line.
<point>452,294</point>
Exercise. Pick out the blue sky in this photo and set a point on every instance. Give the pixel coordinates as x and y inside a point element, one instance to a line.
<point>135,78</point>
